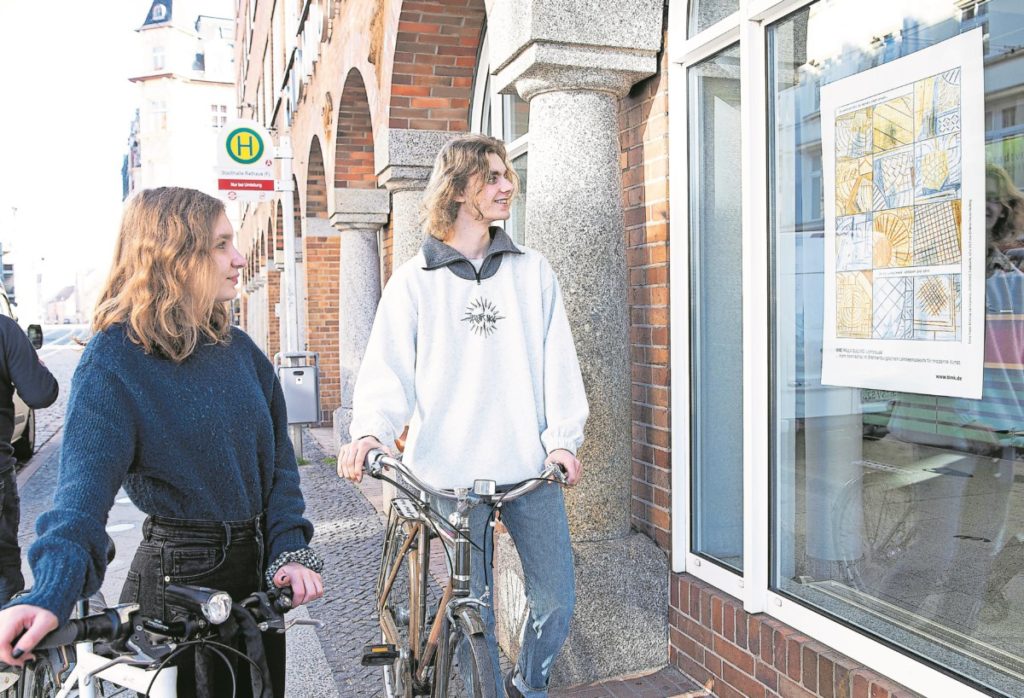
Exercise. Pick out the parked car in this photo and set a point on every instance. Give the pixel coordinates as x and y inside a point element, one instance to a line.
<point>24,437</point>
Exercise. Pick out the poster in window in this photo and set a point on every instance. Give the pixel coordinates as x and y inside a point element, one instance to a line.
<point>903,154</point>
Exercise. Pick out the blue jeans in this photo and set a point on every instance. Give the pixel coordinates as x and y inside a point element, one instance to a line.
<point>538,526</point>
<point>225,555</point>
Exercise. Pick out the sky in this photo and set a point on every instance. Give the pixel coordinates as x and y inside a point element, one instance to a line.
<point>65,119</point>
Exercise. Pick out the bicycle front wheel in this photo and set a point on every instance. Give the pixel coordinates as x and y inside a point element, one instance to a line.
<point>38,678</point>
<point>479,672</point>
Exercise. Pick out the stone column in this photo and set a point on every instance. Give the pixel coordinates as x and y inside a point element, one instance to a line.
<point>358,215</point>
<point>572,67</point>
<point>408,160</point>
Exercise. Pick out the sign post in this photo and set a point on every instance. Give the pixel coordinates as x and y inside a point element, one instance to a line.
<point>245,161</point>
<point>245,172</point>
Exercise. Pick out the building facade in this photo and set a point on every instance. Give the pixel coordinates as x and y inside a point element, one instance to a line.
<point>738,518</point>
<point>185,78</point>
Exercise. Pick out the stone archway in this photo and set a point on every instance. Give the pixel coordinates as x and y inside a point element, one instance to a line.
<point>360,209</point>
<point>321,254</point>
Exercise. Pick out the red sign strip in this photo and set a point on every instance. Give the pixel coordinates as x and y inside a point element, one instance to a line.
<point>245,184</point>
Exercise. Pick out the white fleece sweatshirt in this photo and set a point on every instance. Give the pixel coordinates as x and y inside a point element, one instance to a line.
<point>483,370</point>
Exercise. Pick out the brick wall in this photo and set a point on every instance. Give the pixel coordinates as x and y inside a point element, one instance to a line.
<point>643,136</point>
<point>316,182</point>
<point>435,57</point>
<point>387,246</point>
<point>273,322</point>
<point>353,149</point>
<point>754,656</point>
<point>322,257</point>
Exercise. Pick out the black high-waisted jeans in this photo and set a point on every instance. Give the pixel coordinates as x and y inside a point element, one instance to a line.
<point>226,555</point>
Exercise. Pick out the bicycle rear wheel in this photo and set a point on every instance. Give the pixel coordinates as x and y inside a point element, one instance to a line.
<point>480,670</point>
<point>400,601</point>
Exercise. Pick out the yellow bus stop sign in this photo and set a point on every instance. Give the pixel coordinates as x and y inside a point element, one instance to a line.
<point>245,161</point>
<point>245,145</point>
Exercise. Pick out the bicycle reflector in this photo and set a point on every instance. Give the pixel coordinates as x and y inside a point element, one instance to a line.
<point>213,604</point>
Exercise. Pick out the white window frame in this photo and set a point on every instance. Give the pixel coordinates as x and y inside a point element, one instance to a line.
<point>497,103</point>
<point>477,117</point>
<point>748,26</point>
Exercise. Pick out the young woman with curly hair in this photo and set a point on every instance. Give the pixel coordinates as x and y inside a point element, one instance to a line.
<point>183,410</point>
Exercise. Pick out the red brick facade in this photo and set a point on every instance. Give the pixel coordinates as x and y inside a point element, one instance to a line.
<point>322,258</point>
<point>436,44</point>
<point>643,138</point>
<point>755,656</point>
<point>435,59</point>
<point>273,321</point>
<point>353,148</point>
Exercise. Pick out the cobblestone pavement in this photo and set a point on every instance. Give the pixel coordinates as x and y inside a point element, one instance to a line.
<point>348,536</point>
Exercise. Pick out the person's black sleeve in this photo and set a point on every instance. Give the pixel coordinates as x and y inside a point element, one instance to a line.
<point>33,381</point>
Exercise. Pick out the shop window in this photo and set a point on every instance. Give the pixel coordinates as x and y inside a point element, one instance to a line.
<point>716,310</point>
<point>704,13</point>
<point>898,513</point>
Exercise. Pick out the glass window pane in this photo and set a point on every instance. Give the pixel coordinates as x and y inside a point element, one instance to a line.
<point>901,514</point>
<point>516,226</point>
<point>517,117</point>
<point>716,312</point>
<point>704,13</point>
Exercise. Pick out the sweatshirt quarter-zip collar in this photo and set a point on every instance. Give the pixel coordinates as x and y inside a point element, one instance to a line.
<point>438,254</point>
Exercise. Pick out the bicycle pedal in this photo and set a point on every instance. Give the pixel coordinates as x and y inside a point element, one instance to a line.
<point>379,654</point>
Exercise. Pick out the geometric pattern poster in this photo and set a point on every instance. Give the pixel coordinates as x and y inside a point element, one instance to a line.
<point>903,157</point>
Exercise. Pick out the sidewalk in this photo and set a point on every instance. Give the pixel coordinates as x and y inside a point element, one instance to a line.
<point>664,683</point>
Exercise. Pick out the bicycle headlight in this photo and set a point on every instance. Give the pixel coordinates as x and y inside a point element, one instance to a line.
<point>217,608</point>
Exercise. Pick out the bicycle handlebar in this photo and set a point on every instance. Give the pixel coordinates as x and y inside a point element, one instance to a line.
<point>114,625</point>
<point>377,460</point>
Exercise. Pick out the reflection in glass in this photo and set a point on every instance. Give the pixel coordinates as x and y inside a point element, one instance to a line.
<point>902,514</point>
<point>517,117</point>
<point>704,13</point>
<point>516,226</point>
<point>716,313</point>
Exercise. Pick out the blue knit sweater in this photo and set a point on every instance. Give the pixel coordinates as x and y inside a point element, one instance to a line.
<point>204,439</point>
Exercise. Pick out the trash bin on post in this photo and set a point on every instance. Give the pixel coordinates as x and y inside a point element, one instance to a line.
<point>299,374</point>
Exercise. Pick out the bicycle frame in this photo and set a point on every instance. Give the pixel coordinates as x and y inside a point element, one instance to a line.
<point>417,542</point>
<point>457,607</point>
<point>89,667</point>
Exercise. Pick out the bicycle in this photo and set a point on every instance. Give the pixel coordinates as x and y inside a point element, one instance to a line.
<point>416,651</point>
<point>120,652</point>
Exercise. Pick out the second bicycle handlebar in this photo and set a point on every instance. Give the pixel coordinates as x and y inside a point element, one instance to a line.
<point>377,461</point>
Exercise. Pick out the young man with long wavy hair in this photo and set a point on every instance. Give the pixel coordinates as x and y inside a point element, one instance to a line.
<point>471,347</point>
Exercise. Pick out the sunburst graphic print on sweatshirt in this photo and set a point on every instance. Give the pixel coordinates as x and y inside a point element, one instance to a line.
<point>482,316</point>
